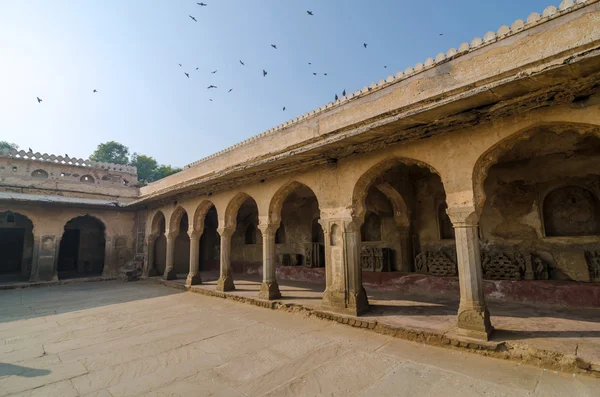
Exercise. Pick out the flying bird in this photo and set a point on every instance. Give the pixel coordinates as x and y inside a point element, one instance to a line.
<point>325,74</point>
<point>211,86</point>
<point>202,4</point>
<point>39,100</point>
<point>210,100</point>
<point>197,68</point>
<point>213,72</point>
<point>193,19</point>
<point>231,89</point>
<point>284,108</point>
<point>309,12</point>
<point>365,45</point>
<point>179,64</point>
<point>95,90</point>
<point>441,34</point>
<point>188,76</point>
<point>314,74</point>
<point>30,150</point>
<point>274,46</point>
<point>243,64</point>
<point>264,73</point>
<point>310,63</point>
<point>385,67</point>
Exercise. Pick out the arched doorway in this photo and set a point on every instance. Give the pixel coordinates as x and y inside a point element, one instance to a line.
<point>16,246</point>
<point>82,248</point>
<point>246,241</point>
<point>210,242</point>
<point>539,193</point>
<point>405,228</point>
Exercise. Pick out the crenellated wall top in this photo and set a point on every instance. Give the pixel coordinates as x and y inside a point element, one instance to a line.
<point>66,160</point>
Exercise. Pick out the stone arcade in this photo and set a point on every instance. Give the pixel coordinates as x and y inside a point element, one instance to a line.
<point>483,163</point>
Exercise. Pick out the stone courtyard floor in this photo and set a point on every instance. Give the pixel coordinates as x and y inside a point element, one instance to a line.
<point>571,333</point>
<point>125,339</point>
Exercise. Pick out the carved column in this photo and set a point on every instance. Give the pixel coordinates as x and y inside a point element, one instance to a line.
<point>269,289</point>
<point>194,273</point>
<point>225,282</point>
<point>170,265</point>
<point>473,315</point>
<point>344,292</point>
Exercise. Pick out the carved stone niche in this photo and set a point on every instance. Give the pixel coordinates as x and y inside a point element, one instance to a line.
<point>437,263</point>
<point>375,259</point>
<point>288,260</point>
<point>314,255</point>
<point>593,261</point>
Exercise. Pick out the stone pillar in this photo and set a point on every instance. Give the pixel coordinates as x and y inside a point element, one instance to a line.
<point>225,282</point>
<point>109,269</point>
<point>473,315</point>
<point>344,292</point>
<point>194,274</point>
<point>170,265</point>
<point>47,251</point>
<point>269,289</point>
<point>150,269</point>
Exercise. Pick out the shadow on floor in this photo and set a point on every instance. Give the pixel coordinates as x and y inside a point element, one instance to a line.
<point>28,303</point>
<point>24,372</point>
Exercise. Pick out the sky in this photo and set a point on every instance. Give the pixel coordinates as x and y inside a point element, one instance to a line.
<point>129,51</point>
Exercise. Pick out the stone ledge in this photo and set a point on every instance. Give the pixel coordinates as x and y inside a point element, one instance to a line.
<point>20,285</point>
<point>519,352</point>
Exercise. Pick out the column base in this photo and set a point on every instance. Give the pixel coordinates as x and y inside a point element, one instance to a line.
<point>170,275</point>
<point>475,323</point>
<point>340,302</point>
<point>225,284</point>
<point>269,291</point>
<point>193,280</point>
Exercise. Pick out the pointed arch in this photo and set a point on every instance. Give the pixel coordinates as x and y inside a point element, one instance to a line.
<point>158,223</point>
<point>200,214</point>
<point>176,219</point>
<point>233,207</point>
<point>369,178</point>
<point>492,155</point>
<point>276,204</point>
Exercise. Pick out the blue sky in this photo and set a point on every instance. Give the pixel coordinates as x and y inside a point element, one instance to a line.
<point>129,51</point>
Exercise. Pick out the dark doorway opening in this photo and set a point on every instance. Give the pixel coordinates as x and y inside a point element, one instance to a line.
<point>81,250</point>
<point>69,252</point>
<point>11,250</point>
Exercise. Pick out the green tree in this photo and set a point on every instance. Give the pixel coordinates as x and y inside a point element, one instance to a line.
<point>146,167</point>
<point>8,145</point>
<point>165,170</point>
<point>111,152</point>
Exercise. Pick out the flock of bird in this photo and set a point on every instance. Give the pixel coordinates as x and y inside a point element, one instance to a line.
<point>264,72</point>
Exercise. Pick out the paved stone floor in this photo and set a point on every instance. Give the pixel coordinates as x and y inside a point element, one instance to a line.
<point>125,339</point>
<point>568,331</point>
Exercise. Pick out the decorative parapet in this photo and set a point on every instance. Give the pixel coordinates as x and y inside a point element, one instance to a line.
<point>66,160</point>
<point>534,19</point>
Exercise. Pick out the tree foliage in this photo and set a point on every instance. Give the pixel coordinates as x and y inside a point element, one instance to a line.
<point>148,169</point>
<point>8,145</point>
<point>111,152</point>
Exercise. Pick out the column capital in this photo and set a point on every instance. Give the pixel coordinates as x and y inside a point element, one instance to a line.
<point>268,228</point>
<point>463,216</point>
<point>170,234</point>
<point>195,233</point>
<point>225,231</point>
